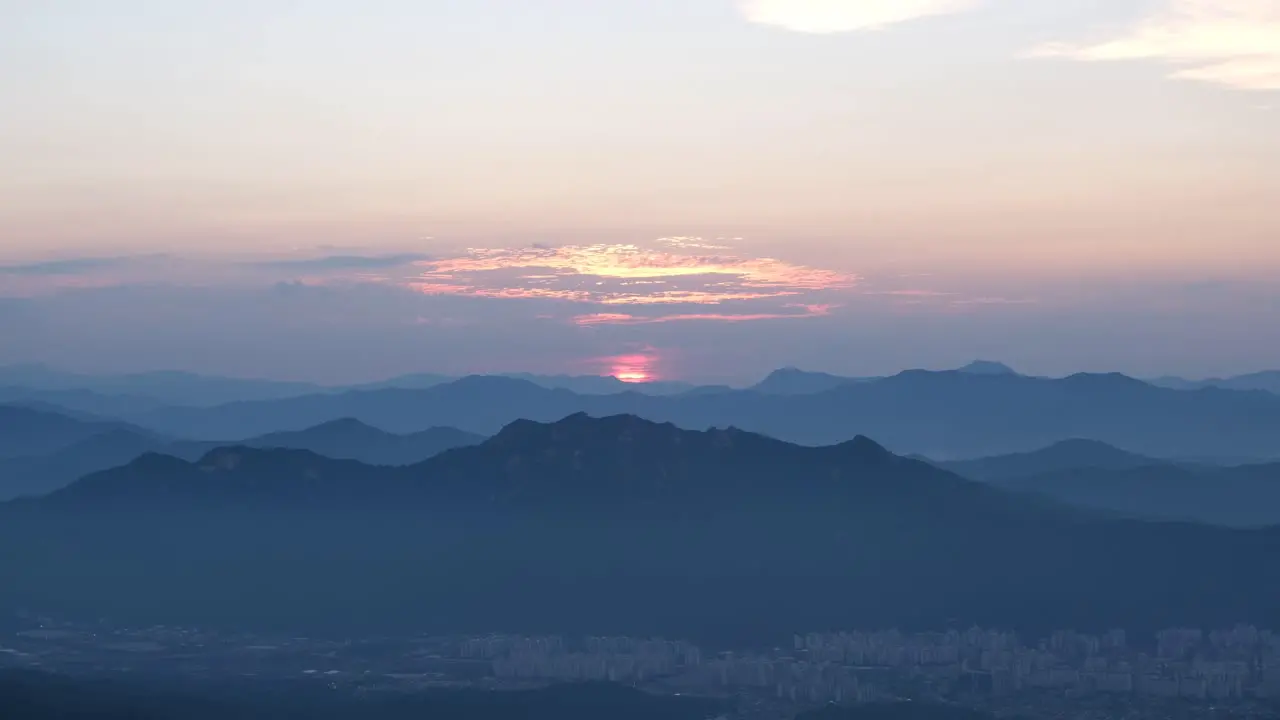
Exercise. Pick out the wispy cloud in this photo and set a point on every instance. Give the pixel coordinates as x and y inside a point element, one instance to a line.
<point>839,16</point>
<point>678,273</point>
<point>344,262</point>
<point>1235,43</point>
<point>75,266</point>
<point>800,311</point>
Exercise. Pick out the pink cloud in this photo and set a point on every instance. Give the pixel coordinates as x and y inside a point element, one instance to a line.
<point>807,311</point>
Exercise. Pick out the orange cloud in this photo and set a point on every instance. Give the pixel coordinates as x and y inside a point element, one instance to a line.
<point>631,261</point>
<point>626,319</point>
<point>681,273</point>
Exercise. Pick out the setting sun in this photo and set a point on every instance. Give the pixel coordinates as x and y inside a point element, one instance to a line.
<point>633,367</point>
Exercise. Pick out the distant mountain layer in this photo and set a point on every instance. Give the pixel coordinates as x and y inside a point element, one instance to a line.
<point>1075,454</point>
<point>610,525</point>
<point>1243,496</point>
<point>1267,381</point>
<point>941,415</point>
<point>106,446</point>
<point>31,431</point>
<point>138,392</point>
<point>1091,474</point>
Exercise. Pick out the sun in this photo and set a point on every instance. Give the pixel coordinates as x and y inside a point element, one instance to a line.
<point>633,367</point>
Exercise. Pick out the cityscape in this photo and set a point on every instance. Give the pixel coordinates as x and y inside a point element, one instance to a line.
<point>1232,672</point>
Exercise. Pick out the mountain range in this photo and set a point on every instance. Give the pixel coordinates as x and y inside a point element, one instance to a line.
<point>616,524</point>
<point>1267,381</point>
<point>74,447</point>
<point>1091,474</point>
<point>138,392</point>
<point>942,415</point>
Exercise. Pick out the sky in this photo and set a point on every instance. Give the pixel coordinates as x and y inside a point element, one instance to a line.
<point>668,189</point>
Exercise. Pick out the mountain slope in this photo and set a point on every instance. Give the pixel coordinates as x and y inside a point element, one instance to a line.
<point>941,415</point>
<point>1244,496</point>
<point>341,439</point>
<point>26,431</point>
<point>611,525</point>
<point>1076,454</point>
<point>350,439</point>
<point>793,381</point>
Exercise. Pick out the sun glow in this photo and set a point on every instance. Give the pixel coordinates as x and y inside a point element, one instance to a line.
<point>632,367</point>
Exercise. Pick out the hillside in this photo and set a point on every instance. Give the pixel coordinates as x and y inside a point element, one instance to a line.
<point>1067,455</point>
<point>118,445</point>
<point>1243,496</point>
<point>610,525</point>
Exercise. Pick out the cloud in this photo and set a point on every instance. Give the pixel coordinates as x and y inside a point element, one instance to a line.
<point>801,311</point>
<point>345,262</point>
<point>839,16</point>
<point>75,266</point>
<point>1234,43</point>
<point>614,276</point>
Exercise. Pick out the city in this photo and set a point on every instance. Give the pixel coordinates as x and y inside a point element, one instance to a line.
<point>1220,673</point>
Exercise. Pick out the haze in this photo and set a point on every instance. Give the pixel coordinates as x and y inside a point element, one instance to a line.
<point>694,189</point>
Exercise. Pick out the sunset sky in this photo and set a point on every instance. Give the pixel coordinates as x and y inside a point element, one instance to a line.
<point>697,189</point>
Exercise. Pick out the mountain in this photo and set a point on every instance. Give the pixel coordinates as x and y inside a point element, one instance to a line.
<point>30,431</point>
<point>601,384</point>
<point>1243,496</point>
<point>1266,381</point>
<point>793,381</point>
<point>351,439</point>
<point>340,439</point>
<point>987,367</point>
<point>942,415</point>
<point>163,388</point>
<point>1068,455</point>
<point>611,525</point>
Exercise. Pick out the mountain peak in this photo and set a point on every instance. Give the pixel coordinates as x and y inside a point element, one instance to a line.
<point>987,367</point>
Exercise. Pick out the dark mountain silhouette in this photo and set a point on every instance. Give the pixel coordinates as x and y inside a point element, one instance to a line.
<point>610,525</point>
<point>340,439</point>
<point>1244,496</point>
<point>1076,454</point>
<point>29,431</point>
<point>942,415</point>
<point>987,367</point>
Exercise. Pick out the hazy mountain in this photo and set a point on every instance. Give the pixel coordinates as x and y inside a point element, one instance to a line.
<point>601,384</point>
<point>987,367</point>
<point>164,387</point>
<point>80,403</point>
<point>340,439</point>
<point>793,381</point>
<point>1074,454</point>
<point>1267,381</point>
<point>611,525</point>
<point>30,431</point>
<point>942,415</point>
<point>1243,496</point>
<point>351,439</point>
